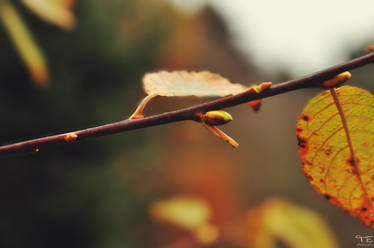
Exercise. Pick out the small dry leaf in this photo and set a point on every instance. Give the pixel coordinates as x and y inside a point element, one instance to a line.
<point>182,83</point>
<point>58,12</point>
<point>278,219</point>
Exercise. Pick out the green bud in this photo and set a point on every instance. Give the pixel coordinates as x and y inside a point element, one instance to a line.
<point>216,117</point>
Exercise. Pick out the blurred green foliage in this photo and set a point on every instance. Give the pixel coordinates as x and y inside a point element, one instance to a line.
<point>67,197</point>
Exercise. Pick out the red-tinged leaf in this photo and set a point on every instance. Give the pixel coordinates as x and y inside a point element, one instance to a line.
<point>336,145</point>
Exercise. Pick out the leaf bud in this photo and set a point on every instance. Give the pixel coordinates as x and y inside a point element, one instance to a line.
<point>216,117</point>
<point>338,79</point>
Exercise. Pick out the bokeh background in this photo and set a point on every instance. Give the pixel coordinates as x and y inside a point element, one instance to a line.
<point>98,192</point>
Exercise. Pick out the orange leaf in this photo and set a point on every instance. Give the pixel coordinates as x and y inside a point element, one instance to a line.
<point>336,144</point>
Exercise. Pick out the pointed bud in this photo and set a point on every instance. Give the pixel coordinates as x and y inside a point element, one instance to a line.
<point>255,104</point>
<point>261,87</point>
<point>216,117</point>
<point>338,79</point>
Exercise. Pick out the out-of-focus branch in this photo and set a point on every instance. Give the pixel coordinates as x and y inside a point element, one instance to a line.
<point>189,113</point>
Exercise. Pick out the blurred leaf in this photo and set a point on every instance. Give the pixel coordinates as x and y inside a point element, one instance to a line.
<point>206,234</point>
<point>336,146</point>
<point>58,12</point>
<point>182,83</point>
<point>24,42</point>
<point>189,213</point>
<point>278,219</point>
<point>186,212</point>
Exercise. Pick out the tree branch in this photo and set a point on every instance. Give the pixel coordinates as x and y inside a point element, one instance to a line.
<point>184,114</point>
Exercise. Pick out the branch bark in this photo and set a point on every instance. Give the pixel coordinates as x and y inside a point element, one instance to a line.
<point>189,113</point>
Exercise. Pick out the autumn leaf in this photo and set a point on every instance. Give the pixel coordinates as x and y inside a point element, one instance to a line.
<point>58,12</point>
<point>200,84</point>
<point>183,211</point>
<point>190,213</point>
<point>182,83</point>
<point>278,219</point>
<point>336,144</point>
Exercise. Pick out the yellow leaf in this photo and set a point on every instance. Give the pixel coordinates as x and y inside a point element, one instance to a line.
<point>277,219</point>
<point>186,212</point>
<point>206,234</point>
<point>58,12</point>
<point>25,44</point>
<point>182,83</point>
<point>336,145</point>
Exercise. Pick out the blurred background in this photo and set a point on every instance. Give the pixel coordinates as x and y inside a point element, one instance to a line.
<point>67,65</point>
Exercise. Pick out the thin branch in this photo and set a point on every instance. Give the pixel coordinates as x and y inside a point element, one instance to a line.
<point>189,113</point>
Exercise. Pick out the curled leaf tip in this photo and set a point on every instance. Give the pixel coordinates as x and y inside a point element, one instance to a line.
<point>338,79</point>
<point>216,117</point>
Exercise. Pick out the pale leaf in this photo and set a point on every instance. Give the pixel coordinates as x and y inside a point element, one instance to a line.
<point>182,83</point>
<point>296,226</point>
<point>187,212</point>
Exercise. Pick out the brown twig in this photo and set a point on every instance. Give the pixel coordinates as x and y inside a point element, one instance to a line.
<point>189,113</point>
